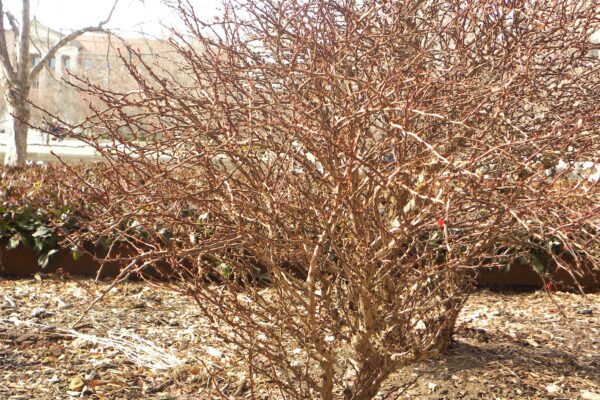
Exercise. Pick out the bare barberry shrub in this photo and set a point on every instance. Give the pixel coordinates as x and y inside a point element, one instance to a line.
<point>324,178</point>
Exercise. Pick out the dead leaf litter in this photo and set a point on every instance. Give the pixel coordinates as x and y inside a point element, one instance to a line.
<point>143,342</point>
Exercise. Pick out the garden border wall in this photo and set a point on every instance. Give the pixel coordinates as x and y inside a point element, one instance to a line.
<point>23,262</point>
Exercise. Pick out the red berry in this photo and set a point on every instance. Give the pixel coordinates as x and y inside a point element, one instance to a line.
<point>441,222</point>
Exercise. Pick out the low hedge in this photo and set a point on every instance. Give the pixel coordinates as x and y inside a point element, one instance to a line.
<point>40,205</point>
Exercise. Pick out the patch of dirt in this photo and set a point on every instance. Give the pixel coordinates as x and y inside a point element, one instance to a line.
<point>507,346</point>
<point>514,346</point>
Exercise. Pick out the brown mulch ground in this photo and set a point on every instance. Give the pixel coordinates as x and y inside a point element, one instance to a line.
<point>509,345</point>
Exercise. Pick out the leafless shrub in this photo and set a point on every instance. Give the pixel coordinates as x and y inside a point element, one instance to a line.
<point>324,177</point>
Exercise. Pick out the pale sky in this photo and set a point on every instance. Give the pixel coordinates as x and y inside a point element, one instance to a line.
<point>129,17</point>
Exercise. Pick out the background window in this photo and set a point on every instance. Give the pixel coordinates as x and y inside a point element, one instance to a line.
<point>88,64</point>
<point>66,62</point>
<point>34,58</point>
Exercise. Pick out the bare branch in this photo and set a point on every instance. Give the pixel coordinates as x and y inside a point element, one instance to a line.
<point>13,23</point>
<point>107,19</point>
<point>7,67</point>
<point>71,36</point>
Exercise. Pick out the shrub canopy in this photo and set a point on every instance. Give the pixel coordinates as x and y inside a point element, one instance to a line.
<point>363,157</point>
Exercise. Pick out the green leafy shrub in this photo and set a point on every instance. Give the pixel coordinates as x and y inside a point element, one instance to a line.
<point>38,208</point>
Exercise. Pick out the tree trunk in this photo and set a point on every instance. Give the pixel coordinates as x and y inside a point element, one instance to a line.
<point>17,95</point>
<point>16,146</point>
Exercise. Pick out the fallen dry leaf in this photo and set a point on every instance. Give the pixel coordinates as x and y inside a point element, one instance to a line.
<point>77,383</point>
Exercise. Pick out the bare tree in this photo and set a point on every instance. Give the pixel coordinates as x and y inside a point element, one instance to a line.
<point>18,73</point>
<point>328,175</point>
